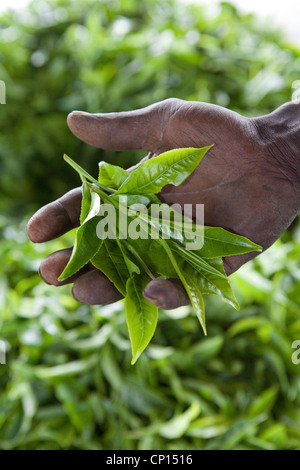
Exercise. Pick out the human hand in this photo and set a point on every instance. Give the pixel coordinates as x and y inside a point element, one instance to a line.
<point>248,182</point>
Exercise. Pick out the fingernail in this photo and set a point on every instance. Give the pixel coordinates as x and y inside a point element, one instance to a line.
<point>43,277</point>
<point>155,293</point>
<point>75,294</point>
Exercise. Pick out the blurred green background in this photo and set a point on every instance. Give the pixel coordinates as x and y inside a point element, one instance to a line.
<point>68,382</point>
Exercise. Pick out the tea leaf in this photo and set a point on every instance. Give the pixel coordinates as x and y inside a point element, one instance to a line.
<point>196,261</point>
<point>130,254</point>
<point>111,176</point>
<point>196,298</point>
<point>171,167</point>
<point>85,247</point>
<point>94,207</point>
<point>155,257</point>
<point>109,260</point>
<point>192,290</point>
<point>218,242</point>
<point>144,199</point>
<point>141,315</point>
<point>210,284</point>
<point>86,200</point>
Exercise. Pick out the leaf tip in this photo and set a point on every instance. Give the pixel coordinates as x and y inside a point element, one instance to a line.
<point>134,359</point>
<point>203,325</point>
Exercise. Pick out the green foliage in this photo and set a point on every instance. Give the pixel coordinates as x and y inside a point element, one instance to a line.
<point>68,382</point>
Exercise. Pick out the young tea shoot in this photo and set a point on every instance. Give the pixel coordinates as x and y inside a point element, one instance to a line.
<point>122,238</point>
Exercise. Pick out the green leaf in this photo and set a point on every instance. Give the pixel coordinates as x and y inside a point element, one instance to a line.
<point>171,167</point>
<point>159,227</point>
<point>141,315</point>
<point>68,368</point>
<point>218,242</point>
<point>94,207</point>
<point>207,349</point>
<point>210,284</point>
<point>127,255</point>
<point>109,260</point>
<point>264,402</point>
<point>196,298</point>
<point>144,199</point>
<point>111,176</point>
<point>191,288</point>
<point>132,254</point>
<point>208,426</point>
<point>154,256</point>
<point>85,247</point>
<point>245,324</point>
<point>196,261</point>
<point>86,200</point>
<point>177,426</point>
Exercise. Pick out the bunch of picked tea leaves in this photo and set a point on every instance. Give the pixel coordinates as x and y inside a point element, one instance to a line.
<point>159,249</point>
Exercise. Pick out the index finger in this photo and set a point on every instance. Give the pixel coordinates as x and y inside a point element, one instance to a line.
<point>56,218</point>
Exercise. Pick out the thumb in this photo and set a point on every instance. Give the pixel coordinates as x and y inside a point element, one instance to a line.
<point>131,130</point>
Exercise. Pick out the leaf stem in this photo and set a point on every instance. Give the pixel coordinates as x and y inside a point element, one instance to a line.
<point>84,173</point>
<point>137,256</point>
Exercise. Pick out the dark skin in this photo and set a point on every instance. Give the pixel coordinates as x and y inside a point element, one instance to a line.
<point>249,182</point>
